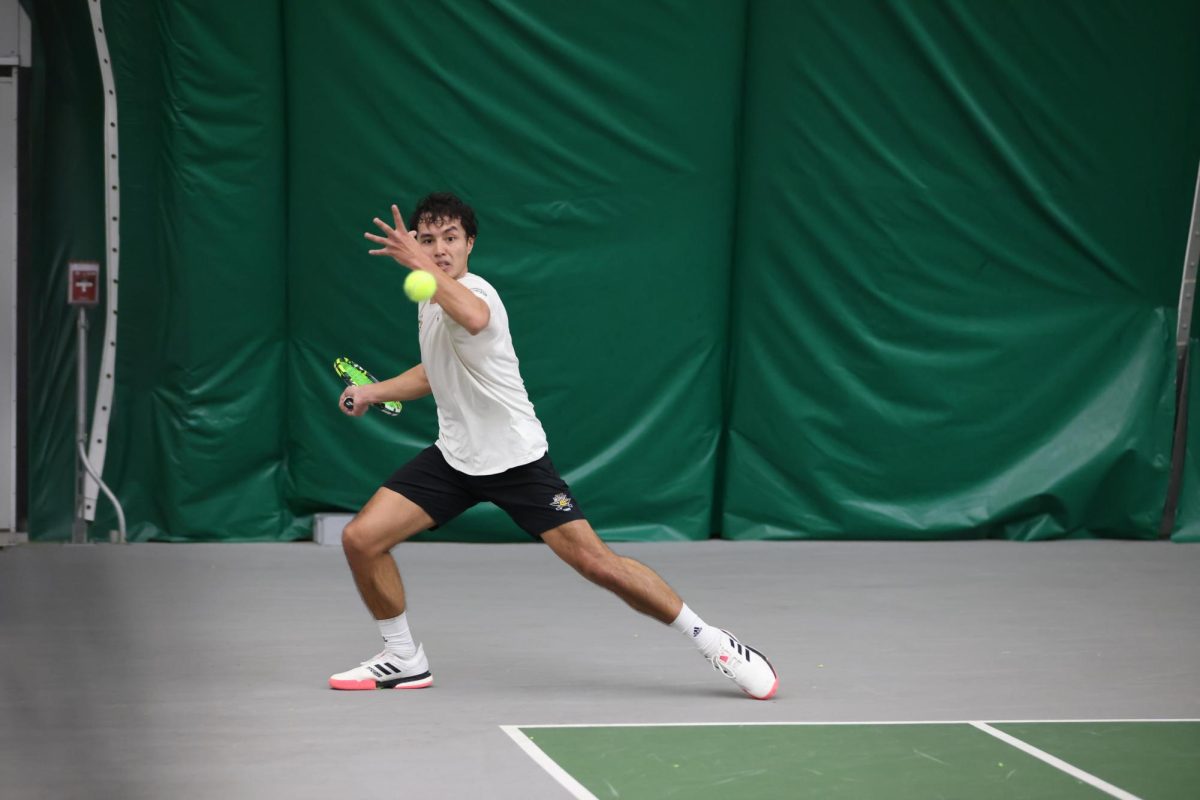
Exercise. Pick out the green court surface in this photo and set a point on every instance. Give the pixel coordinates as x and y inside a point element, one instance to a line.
<point>1151,760</point>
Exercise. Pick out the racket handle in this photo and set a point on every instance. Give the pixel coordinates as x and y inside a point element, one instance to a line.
<point>349,403</point>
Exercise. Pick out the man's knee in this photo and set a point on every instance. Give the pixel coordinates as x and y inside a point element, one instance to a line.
<point>602,567</point>
<point>358,541</point>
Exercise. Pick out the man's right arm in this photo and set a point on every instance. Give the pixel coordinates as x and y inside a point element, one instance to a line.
<point>406,386</point>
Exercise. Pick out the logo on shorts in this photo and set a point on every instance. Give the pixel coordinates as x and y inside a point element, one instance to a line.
<point>562,502</point>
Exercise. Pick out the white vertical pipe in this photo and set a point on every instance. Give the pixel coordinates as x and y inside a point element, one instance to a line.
<point>98,442</point>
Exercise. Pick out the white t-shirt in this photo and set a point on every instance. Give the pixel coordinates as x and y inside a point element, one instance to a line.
<point>486,423</point>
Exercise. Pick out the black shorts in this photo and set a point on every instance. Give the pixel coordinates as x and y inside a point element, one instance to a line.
<point>533,494</point>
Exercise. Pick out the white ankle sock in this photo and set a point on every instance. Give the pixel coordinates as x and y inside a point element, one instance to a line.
<point>706,638</point>
<point>397,636</point>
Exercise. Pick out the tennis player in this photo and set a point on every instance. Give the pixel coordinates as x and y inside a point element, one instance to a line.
<point>490,447</point>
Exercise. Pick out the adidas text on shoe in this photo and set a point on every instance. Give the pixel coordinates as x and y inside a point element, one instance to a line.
<point>746,667</point>
<point>386,671</point>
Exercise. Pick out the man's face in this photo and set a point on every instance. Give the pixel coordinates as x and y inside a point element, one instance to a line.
<point>445,240</point>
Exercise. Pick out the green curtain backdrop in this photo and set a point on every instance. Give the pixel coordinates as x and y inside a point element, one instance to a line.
<point>197,438</point>
<point>773,268</point>
<point>962,229</point>
<point>596,143</point>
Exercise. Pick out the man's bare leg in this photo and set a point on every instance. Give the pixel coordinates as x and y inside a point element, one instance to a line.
<point>635,583</point>
<point>387,519</point>
<point>641,587</point>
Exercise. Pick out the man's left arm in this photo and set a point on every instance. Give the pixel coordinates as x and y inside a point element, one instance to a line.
<point>464,306</point>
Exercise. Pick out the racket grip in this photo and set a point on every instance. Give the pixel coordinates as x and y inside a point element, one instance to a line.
<point>349,403</point>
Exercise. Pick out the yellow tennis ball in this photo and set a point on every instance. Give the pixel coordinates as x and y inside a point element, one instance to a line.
<point>419,285</point>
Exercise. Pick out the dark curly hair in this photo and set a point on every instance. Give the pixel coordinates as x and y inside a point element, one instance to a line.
<point>441,207</point>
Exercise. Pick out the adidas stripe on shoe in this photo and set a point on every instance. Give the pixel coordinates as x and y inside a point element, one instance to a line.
<point>746,667</point>
<point>386,671</point>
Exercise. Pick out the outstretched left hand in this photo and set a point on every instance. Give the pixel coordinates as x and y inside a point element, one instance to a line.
<point>397,242</point>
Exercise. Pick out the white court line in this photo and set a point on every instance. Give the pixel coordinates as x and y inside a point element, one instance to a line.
<point>840,722</point>
<point>577,789</point>
<point>1057,763</point>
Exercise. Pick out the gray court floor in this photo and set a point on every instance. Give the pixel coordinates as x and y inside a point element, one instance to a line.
<point>199,671</point>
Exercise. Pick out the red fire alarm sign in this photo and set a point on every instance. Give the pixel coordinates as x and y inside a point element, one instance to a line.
<point>83,284</point>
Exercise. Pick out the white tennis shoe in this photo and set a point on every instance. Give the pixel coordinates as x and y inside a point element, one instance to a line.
<point>386,671</point>
<point>746,667</point>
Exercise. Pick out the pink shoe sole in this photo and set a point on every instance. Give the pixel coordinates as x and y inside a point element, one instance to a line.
<point>354,686</point>
<point>769,694</point>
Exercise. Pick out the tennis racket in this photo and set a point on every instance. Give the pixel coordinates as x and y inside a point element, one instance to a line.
<point>354,375</point>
